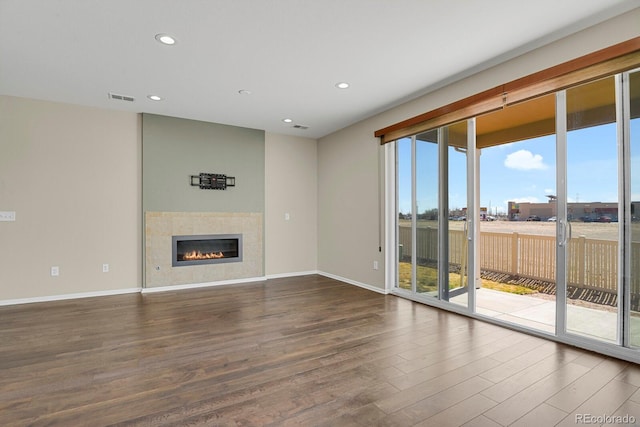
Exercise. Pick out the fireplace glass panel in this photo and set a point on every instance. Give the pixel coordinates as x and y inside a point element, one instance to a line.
<point>209,249</point>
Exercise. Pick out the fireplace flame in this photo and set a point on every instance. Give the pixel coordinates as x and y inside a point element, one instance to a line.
<point>197,255</point>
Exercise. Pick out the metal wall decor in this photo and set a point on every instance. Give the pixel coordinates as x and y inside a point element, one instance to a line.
<point>213,181</point>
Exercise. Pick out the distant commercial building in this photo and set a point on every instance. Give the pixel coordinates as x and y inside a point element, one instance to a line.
<point>587,212</point>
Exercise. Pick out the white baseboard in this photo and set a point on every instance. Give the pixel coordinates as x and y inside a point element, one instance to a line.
<point>297,273</point>
<point>68,296</point>
<point>353,282</point>
<point>201,285</point>
<point>181,287</point>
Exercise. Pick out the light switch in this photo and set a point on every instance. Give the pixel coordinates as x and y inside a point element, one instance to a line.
<point>7,216</point>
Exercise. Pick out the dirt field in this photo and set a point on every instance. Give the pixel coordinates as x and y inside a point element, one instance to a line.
<point>591,230</point>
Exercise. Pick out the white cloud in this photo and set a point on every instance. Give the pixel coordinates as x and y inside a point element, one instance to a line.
<point>551,191</point>
<point>524,160</point>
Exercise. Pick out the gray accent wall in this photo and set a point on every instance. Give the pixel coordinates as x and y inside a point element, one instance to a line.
<point>174,148</point>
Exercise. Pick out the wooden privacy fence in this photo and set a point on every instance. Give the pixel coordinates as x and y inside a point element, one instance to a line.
<point>591,264</point>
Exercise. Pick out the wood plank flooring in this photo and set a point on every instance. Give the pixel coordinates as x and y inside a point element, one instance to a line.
<point>307,351</point>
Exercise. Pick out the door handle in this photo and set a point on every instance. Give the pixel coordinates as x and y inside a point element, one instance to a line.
<point>565,233</point>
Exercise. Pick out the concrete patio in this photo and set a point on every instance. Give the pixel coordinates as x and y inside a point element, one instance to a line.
<point>539,313</point>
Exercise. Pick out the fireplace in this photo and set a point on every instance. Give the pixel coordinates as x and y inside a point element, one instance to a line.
<point>206,249</point>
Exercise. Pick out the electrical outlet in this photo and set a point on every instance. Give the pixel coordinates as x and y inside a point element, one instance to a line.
<point>55,271</point>
<point>105,268</point>
<point>375,265</point>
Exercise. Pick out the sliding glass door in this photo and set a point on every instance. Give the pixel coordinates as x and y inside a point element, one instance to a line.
<point>432,247</point>
<point>530,214</point>
<point>516,147</point>
<point>592,212</point>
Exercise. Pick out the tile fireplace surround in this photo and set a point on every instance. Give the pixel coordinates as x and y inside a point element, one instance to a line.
<point>161,226</point>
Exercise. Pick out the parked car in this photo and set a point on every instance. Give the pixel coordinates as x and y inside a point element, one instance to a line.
<point>604,218</point>
<point>533,218</point>
<point>552,219</point>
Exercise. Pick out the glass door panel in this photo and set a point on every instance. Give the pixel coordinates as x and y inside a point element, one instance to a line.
<point>455,279</point>
<point>634,204</point>
<point>592,173</point>
<point>517,187</point>
<point>406,267</point>
<point>426,208</point>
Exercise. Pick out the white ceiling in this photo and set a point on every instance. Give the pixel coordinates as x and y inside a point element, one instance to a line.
<point>288,53</point>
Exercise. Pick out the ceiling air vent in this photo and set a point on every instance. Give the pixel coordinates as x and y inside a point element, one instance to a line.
<point>303,127</point>
<point>121,97</point>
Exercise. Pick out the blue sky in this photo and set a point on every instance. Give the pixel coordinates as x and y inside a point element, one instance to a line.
<point>524,171</point>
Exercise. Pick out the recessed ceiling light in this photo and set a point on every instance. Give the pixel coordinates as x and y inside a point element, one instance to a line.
<point>165,39</point>
<point>244,92</point>
<point>154,97</point>
<point>287,120</point>
<point>342,85</point>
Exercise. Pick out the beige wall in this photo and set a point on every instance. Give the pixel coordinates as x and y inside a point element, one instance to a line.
<point>291,187</point>
<point>348,215</point>
<point>348,160</point>
<point>72,175</point>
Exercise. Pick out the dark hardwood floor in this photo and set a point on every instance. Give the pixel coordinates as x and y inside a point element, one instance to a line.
<point>305,351</point>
